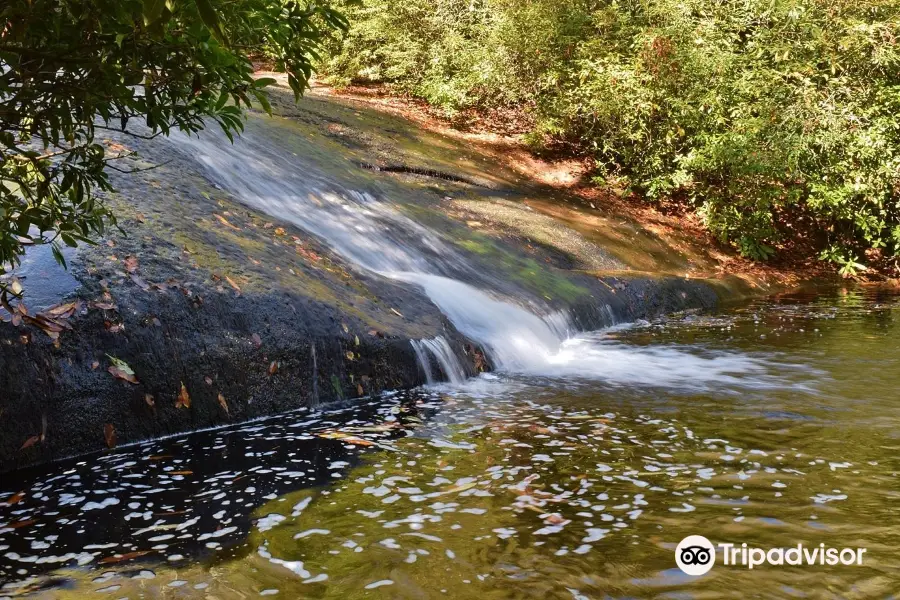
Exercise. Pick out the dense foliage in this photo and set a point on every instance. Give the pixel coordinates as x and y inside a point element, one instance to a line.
<point>71,68</point>
<point>776,119</point>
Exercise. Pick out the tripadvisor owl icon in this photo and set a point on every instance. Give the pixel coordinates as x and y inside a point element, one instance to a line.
<point>695,555</point>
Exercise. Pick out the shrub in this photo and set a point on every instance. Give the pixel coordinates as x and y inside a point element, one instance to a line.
<point>776,119</point>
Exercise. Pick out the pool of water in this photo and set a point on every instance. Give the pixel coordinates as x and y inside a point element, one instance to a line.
<point>772,424</point>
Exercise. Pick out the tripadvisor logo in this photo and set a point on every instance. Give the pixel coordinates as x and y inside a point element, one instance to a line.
<point>696,555</point>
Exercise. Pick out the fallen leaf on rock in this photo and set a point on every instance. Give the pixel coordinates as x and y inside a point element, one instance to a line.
<point>257,341</point>
<point>15,498</point>
<point>184,399</point>
<point>121,370</point>
<point>109,434</point>
<point>140,216</point>
<point>94,365</point>
<point>280,231</point>
<point>233,284</point>
<point>30,442</point>
<point>104,305</point>
<point>359,389</point>
<point>225,222</point>
<point>131,263</point>
<point>273,367</point>
<point>180,473</point>
<point>120,374</point>
<point>61,311</point>
<point>350,355</point>
<point>224,404</point>
<point>150,401</point>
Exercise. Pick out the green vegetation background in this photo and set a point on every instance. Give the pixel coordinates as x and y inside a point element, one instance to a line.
<point>778,120</point>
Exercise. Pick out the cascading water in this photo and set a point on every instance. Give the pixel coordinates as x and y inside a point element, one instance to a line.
<point>262,171</point>
<point>440,350</point>
<point>376,237</point>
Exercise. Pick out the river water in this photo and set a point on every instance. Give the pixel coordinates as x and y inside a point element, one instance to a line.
<point>772,424</point>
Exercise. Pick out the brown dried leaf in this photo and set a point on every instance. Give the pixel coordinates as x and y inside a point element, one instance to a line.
<point>60,311</point>
<point>104,305</point>
<point>15,498</point>
<point>360,390</point>
<point>30,442</point>
<point>131,263</point>
<point>120,374</point>
<point>140,216</point>
<point>224,404</point>
<point>148,398</point>
<point>273,367</point>
<point>280,231</point>
<point>109,434</point>
<point>233,284</point>
<point>225,222</point>
<point>184,399</point>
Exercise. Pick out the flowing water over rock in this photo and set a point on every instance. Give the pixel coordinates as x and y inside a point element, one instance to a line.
<point>772,424</point>
<point>264,173</point>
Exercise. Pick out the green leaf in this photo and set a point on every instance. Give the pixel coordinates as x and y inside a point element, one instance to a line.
<point>264,102</point>
<point>152,11</point>
<point>58,255</point>
<point>211,20</point>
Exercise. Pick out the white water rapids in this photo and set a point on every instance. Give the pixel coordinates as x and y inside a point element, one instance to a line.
<point>262,172</point>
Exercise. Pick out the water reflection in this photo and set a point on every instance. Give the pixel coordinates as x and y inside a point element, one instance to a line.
<point>505,487</point>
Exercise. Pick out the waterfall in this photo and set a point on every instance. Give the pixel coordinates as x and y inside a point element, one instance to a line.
<point>262,172</point>
<point>440,350</point>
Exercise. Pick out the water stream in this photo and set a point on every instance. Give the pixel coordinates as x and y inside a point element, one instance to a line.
<point>521,336</point>
<point>571,472</point>
<point>510,485</point>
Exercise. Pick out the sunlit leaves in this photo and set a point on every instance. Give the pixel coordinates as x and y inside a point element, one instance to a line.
<point>184,399</point>
<point>75,69</point>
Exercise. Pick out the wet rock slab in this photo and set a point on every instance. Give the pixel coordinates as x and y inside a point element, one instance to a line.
<point>251,316</point>
<point>211,312</point>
